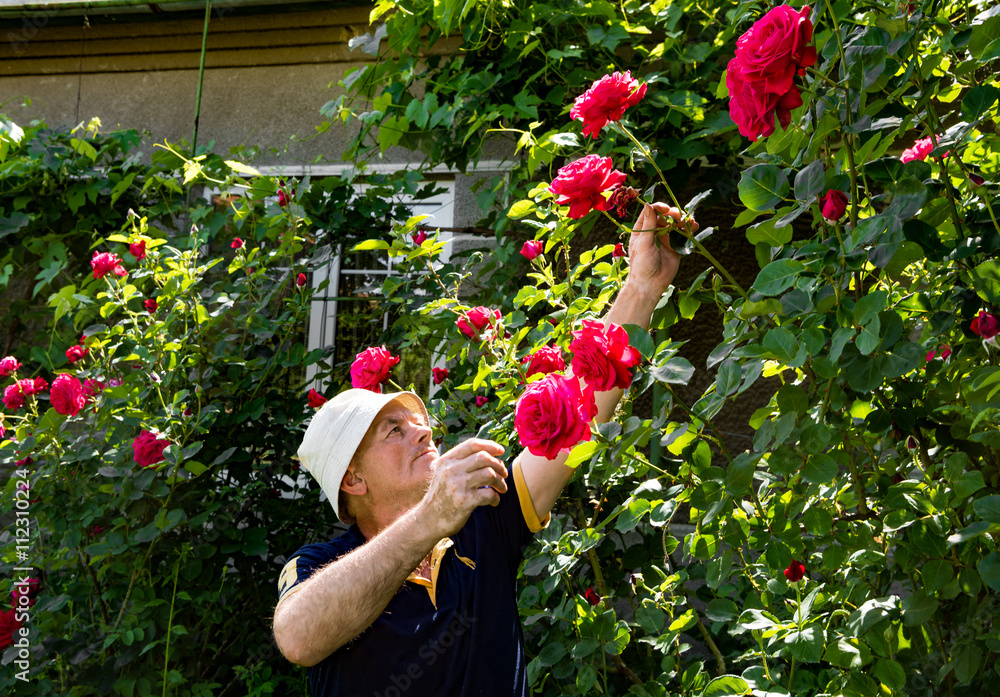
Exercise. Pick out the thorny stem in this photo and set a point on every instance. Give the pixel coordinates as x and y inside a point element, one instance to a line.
<point>645,153</point>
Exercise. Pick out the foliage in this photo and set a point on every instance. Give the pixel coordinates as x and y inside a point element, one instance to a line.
<point>164,577</point>
<point>876,462</point>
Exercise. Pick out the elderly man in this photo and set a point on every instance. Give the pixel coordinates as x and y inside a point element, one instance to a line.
<point>419,595</point>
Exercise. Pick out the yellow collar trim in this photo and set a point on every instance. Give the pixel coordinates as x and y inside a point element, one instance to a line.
<point>437,554</point>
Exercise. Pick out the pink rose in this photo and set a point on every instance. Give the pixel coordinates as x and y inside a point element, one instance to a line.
<point>105,263</point>
<point>833,205</point>
<point>300,280</point>
<point>237,244</point>
<point>138,250</point>
<point>150,304</point>
<point>920,150</point>
<point>618,252</point>
<point>440,375</point>
<point>532,248</point>
<point>775,49</point>
<point>371,368</point>
<point>34,386</point>
<point>473,322</point>
<point>13,395</point>
<point>67,395</point>
<point>545,360</point>
<point>148,449</point>
<point>602,357</point>
<point>985,325</point>
<point>606,100</point>
<point>581,184</point>
<point>75,353</point>
<point>8,365</point>
<point>481,400</point>
<point>316,400</point>
<point>553,415</point>
<point>419,237</point>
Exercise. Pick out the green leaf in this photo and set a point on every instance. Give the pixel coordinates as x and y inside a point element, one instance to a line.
<point>806,645</point>
<point>551,654</point>
<point>890,674</point>
<point>582,452</point>
<point>986,281</point>
<point>869,306</point>
<point>676,371</point>
<point>978,101</point>
<point>586,677</point>
<point>521,209</point>
<point>847,653</point>
<point>968,483</point>
<point>367,245</point>
<point>820,469</point>
<point>983,37</point>
<point>768,306</point>
<point>727,686</point>
<point>146,533</point>
<point>650,617</point>
<point>762,187</point>
<point>908,198</point>
<point>778,276</point>
<point>936,574</point>
<point>988,508</point>
<point>919,608</point>
<point>241,168</point>
<point>768,232</point>
<point>728,378</point>
<point>989,570</point>
<point>868,339</point>
<point>781,343</point>
<point>809,181</point>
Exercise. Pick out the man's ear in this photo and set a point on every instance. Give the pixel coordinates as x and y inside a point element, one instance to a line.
<point>353,483</point>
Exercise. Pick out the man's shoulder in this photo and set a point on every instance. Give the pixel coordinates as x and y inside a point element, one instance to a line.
<point>321,552</point>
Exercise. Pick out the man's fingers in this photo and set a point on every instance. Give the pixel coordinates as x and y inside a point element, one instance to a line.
<point>473,446</point>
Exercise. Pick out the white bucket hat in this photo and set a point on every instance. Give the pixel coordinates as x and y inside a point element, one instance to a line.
<point>337,429</point>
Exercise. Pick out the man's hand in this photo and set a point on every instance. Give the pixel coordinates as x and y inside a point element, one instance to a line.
<point>652,261</point>
<point>466,477</point>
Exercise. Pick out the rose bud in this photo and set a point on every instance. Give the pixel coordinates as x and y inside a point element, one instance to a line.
<point>833,205</point>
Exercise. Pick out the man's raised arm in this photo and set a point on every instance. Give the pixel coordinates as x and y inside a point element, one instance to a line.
<point>652,267</point>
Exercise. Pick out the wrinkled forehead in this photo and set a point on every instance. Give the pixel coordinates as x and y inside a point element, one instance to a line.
<point>393,413</point>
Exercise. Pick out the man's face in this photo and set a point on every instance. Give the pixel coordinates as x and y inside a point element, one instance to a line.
<point>396,459</point>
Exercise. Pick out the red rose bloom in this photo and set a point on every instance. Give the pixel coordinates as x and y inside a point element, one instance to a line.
<point>104,263</point>
<point>8,365</point>
<point>27,590</point>
<point>316,400</point>
<point>553,415</point>
<point>795,571</point>
<point>13,395</point>
<point>138,250</point>
<point>775,48</point>
<point>67,395</point>
<point>419,237</point>
<point>237,244</point>
<point>581,184</point>
<point>91,388</point>
<point>440,375</point>
<point>602,357</point>
<point>371,368</point>
<point>472,323</point>
<point>300,280</point>
<point>606,100</point>
<point>481,400</point>
<point>150,305</point>
<point>8,625</point>
<point>545,360</point>
<point>591,596</point>
<point>760,78</point>
<point>148,449</point>
<point>282,198</point>
<point>985,325</point>
<point>532,248</point>
<point>618,252</point>
<point>833,205</point>
<point>75,353</point>
<point>945,352</point>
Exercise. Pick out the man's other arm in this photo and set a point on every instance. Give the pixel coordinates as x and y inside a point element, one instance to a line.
<point>652,268</point>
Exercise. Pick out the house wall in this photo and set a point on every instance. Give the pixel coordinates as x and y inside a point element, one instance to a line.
<point>267,74</point>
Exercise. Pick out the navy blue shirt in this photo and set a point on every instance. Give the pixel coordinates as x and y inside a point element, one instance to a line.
<point>460,635</point>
